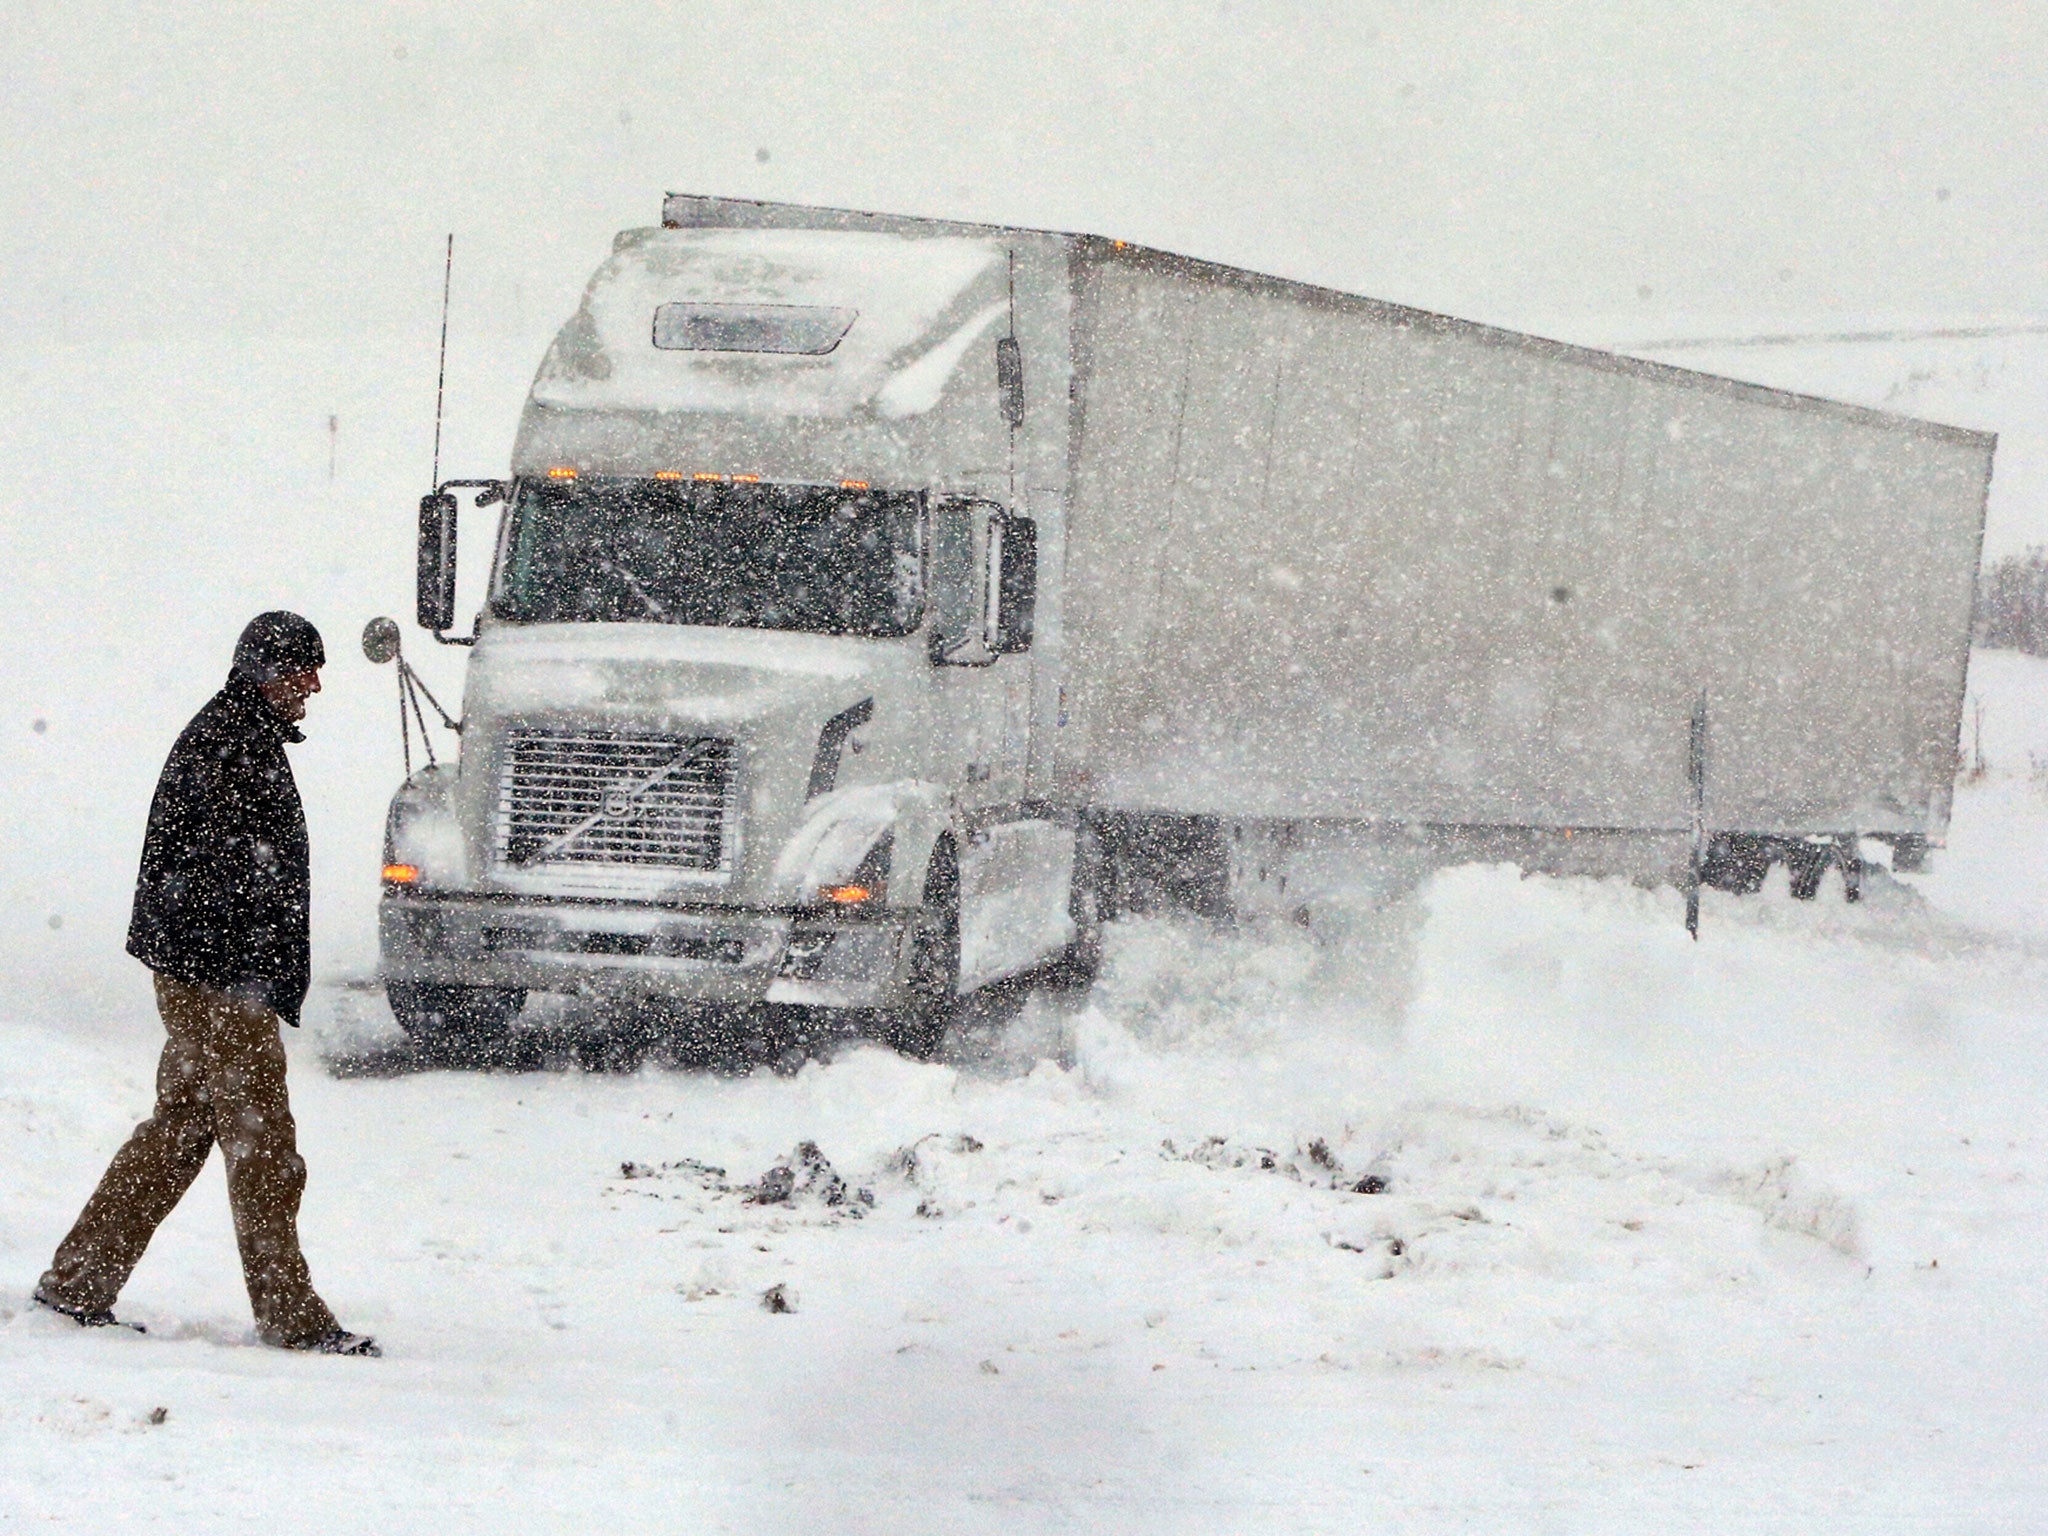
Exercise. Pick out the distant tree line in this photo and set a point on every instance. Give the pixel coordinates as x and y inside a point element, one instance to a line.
<point>2012,603</point>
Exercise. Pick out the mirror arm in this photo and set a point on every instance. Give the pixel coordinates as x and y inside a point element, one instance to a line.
<point>382,643</point>
<point>943,655</point>
<point>413,678</point>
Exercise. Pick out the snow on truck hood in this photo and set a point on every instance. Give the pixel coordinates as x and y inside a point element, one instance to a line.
<point>669,671</point>
<point>917,305</point>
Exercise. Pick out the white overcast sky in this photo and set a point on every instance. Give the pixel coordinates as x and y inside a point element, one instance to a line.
<point>238,166</point>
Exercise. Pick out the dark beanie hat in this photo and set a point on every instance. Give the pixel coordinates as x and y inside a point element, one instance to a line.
<point>278,644</point>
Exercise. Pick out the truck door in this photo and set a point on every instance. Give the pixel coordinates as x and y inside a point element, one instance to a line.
<point>984,587</point>
<point>1013,869</point>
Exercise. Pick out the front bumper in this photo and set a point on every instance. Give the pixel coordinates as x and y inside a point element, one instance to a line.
<point>714,955</point>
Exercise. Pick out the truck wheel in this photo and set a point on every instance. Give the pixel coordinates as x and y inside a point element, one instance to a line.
<point>1074,969</point>
<point>1806,864</point>
<point>1736,863</point>
<point>919,1026</point>
<point>427,1012</point>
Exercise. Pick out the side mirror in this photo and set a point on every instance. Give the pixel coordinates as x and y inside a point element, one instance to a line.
<point>436,570</point>
<point>380,640</point>
<point>959,623</point>
<point>1016,584</point>
<point>983,579</point>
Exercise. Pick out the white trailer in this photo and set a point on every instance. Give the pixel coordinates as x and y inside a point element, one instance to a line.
<point>876,597</point>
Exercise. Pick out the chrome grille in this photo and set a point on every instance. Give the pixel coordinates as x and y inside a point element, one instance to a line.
<point>614,798</point>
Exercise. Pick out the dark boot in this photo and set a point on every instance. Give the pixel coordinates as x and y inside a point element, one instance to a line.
<point>86,1317</point>
<point>336,1341</point>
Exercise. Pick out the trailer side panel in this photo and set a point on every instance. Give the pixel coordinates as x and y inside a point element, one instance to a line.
<point>1328,558</point>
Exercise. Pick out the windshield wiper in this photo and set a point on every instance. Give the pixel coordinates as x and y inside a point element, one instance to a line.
<point>647,601</point>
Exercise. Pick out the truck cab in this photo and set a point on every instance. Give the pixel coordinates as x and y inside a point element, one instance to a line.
<point>749,715</point>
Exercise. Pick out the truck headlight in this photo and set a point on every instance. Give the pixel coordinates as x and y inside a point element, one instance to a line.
<point>869,881</point>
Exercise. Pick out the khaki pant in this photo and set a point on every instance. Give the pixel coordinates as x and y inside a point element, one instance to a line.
<point>221,1079</point>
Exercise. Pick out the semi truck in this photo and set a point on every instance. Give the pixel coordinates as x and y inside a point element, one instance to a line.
<point>880,602</point>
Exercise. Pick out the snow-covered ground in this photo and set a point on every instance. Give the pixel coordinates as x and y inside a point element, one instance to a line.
<point>1741,1234</point>
<point>1736,1235</point>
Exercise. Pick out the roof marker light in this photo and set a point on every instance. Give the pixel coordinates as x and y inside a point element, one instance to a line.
<point>853,485</point>
<point>704,475</point>
<point>561,472</point>
<point>846,895</point>
<point>668,474</point>
<point>746,479</point>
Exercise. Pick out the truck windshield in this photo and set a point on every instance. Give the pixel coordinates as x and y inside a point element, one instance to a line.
<point>748,556</point>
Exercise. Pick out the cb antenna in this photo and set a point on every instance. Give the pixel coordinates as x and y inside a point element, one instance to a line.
<point>441,381</point>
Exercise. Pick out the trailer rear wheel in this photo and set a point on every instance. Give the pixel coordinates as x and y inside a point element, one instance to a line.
<point>919,1027</point>
<point>1736,863</point>
<point>1806,864</point>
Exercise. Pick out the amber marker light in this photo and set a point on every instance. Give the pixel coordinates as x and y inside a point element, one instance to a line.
<point>846,895</point>
<point>562,472</point>
<point>853,485</point>
<point>401,874</point>
<point>746,479</point>
<point>706,475</point>
<point>668,474</point>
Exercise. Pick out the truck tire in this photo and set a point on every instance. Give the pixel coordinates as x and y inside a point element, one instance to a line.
<point>918,1028</point>
<point>1806,864</point>
<point>1075,968</point>
<point>438,1013</point>
<point>1736,862</point>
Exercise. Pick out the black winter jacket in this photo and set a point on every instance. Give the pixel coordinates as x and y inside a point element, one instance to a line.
<point>223,897</point>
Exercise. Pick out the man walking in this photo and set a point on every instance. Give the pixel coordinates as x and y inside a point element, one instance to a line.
<point>221,917</point>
